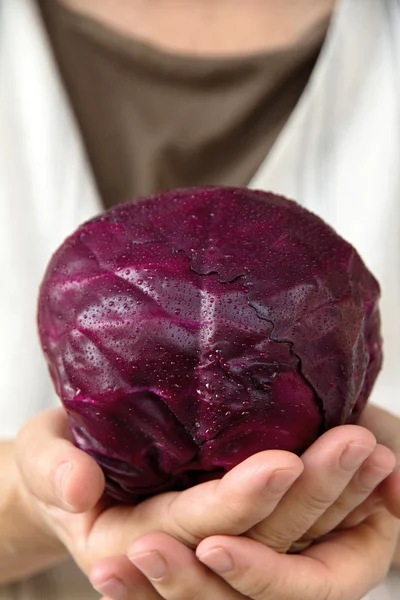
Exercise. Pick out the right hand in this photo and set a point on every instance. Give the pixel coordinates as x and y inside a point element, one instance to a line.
<point>61,489</point>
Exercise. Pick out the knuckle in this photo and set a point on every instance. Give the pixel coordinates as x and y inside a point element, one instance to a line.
<point>175,525</point>
<point>237,513</point>
<point>186,535</point>
<point>329,520</point>
<point>345,505</point>
<point>315,503</point>
<point>302,544</point>
<point>272,538</point>
<point>280,536</point>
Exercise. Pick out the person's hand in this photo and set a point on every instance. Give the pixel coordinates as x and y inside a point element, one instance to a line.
<point>71,510</point>
<point>61,487</point>
<point>362,497</point>
<point>344,566</point>
<point>386,429</point>
<point>337,484</point>
<point>340,471</point>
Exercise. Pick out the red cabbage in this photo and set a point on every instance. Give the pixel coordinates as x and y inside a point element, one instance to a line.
<point>187,331</point>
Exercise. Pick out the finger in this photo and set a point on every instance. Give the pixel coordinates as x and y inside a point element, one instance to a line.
<point>370,506</point>
<point>175,572</point>
<point>383,424</point>
<point>361,557</point>
<point>231,505</point>
<point>386,428</point>
<point>260,573</point>
<point>345,566</point>
<point>119,579</point>
<point>374,469</point>
<point>53,469</point>
<point>329,465</point>
<point>390,491</point>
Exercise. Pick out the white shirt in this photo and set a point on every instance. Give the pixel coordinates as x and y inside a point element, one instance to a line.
<point>338,155</point>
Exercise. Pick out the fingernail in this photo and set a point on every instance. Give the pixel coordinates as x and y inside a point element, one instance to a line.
<point>371,476</point>
<point>114,588</point>
<point>354,456</point>
<point>281,480</point>
<point>217,559</point>
<point>151,564</point>
<point>61,478</point>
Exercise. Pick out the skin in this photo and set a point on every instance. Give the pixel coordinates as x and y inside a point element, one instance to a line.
<point>47,518</point>
<point>44,518</point>
<point>204,27</point>
<point>344,565</point>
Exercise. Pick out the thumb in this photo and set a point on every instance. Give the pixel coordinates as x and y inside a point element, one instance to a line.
<point>53,469</point>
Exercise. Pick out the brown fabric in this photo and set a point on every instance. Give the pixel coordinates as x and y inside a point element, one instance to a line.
<point>152,120</point>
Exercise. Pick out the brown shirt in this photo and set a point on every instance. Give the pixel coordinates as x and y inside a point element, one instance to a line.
<point>152,120</point>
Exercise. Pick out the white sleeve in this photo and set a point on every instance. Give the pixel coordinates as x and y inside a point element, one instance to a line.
<point>46,191</point>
